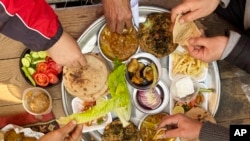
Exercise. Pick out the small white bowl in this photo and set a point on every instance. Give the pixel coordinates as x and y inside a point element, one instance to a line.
<point>162,90</point>
<point>37,101</point>
<point>77,106</point>
<point>145,58</point>
<point>180,96</point>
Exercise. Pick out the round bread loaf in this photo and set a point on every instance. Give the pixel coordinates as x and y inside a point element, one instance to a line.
<point>88,82</point>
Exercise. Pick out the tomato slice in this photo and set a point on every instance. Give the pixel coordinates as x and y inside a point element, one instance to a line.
<point>50,70</point>
<point>48,59</point>
<point>55,66</point>
<point>41,67</point>
<point>53,79</point>
<point>41,79</point>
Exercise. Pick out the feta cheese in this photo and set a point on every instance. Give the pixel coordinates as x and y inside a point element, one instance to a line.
<point>184,87</point>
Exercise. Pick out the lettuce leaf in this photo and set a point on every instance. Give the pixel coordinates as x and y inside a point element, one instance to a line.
<point>119,103</point>
<point>118,87</point>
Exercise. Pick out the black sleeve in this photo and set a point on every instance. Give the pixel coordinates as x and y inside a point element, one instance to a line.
<point>213,132</point>
<point>240,55</point>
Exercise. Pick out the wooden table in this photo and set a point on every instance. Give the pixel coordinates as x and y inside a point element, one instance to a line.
<point>234,107</point>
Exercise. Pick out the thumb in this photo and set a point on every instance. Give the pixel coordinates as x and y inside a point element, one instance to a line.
<point>66,129</point>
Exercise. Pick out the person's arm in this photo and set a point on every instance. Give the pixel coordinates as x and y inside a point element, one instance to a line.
<point>213,132</point>
<point>35,24</point>
<point>118,14</point>
<point>191,129</point>
<point>239,55</point>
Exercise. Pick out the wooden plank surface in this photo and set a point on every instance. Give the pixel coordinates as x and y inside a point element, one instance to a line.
<point>234,107</point>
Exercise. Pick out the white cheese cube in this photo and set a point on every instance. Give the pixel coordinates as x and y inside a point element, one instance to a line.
<point>184,87</point>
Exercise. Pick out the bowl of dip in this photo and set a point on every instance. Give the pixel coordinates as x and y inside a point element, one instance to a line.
<point>37,101</point>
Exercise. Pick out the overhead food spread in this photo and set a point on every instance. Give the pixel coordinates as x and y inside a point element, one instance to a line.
<point>154,35</point>
<point>91,82</point>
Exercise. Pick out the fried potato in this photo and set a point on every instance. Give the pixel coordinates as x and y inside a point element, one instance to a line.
<point>184,64</point>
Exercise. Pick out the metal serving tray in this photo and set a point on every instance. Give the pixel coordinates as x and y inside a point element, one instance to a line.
<point>88,43</point>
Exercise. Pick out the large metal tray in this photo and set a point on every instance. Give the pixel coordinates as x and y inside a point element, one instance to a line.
<point>88,43</point>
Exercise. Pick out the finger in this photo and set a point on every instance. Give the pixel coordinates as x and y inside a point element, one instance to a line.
<point>82,61</point>
<point>77,133</point>
<point>68,127</point>
<point>173,133</point>
<point>119,27</point>
<point>180,9</point>
<point>112,26</point>
<point>168,120</point>
<point>190,16</point>
<point>128,24</point>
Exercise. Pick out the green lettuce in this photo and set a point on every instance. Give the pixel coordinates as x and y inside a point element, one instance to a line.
<point>119,103</point>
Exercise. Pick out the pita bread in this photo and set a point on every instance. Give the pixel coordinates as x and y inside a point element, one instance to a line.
<point>183,32</point>
<point>88,82</point>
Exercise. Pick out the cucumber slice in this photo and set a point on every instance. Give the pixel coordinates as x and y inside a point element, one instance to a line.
<point>42,54</point>
<point>34,55</point>
<point>31,70</point>
<point>38,61</point>
<point>26,72</point>
<point>28,57</point>
<point>25,62</point>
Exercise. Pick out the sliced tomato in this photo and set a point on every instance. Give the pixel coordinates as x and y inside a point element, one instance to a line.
<point>53,79</point>
<point>50,70</point>
<point>41,67</point>
<point>48,59</point>
<point>41,79</point>
<point>55,66</point>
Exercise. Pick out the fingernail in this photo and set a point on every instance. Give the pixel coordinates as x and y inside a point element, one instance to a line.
<point>73,122</point>
<point>181,21</point>
<point>191,41</point>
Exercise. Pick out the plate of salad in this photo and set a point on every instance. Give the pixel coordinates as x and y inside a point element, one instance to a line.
<point>39,69</point>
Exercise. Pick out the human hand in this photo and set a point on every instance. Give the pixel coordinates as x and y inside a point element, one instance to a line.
<point>186,127</point>
<point>193,9</point>
<point>207,49</point>
<point>118,14</point>
<point>66,52</point>
<point>69,132</point>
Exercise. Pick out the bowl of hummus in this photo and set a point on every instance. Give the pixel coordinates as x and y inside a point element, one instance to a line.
<point>37,101</point>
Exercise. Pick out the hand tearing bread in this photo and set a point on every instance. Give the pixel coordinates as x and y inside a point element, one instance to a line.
<point>183,32</point>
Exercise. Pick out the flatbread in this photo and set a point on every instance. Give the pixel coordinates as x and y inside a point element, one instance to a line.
<point>154,35</point>
<point>200,114</point>
<point>183,32</point>
<point>88,82</point>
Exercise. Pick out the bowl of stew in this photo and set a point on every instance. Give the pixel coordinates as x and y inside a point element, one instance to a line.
<point>121,46</point>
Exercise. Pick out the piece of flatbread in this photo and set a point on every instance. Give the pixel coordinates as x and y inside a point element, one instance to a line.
<point>88,82</point>
<point>183,32</point>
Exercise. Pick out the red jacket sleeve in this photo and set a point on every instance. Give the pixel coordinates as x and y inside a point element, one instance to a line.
<point>32,22</point>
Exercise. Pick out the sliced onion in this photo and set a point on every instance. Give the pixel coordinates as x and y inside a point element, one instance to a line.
<point>149,99</point>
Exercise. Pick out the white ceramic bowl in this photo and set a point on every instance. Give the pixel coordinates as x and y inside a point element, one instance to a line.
<point>161,90</point>
<point>37,101</point>
<point>145,58</point>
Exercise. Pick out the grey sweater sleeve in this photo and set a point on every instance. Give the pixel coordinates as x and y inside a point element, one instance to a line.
<point>213,132</point>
